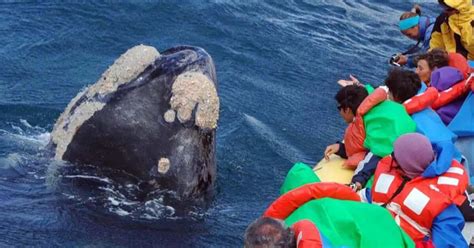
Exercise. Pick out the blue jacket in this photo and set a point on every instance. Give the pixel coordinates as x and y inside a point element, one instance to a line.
<point>425,25</point>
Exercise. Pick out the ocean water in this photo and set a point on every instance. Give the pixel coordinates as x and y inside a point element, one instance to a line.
<point>277,65</point>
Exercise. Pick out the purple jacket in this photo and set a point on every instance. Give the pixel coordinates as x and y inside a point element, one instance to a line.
<point>442,79</point>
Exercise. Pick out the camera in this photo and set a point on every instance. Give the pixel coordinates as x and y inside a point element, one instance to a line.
<point>393,60</point>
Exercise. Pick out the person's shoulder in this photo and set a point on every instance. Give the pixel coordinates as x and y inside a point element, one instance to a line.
<point>439,21</point>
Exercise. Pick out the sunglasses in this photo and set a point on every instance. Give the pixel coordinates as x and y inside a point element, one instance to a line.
<point>339,107</point>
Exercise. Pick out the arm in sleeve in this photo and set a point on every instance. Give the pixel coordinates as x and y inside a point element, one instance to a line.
<point>436,40</point>
<point>450,94</point>
<point>421,101</point>
<point>447,228</point>
<point>366,169</point>
<point>342,150</point>
<point>379,95</point>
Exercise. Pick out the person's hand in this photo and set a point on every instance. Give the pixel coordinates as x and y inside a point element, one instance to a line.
<point>355,186</point>
<point>347,82</point>
<point>331,149</point>
<point>402,60</point>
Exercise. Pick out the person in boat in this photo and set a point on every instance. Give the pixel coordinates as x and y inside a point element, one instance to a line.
<point>406,88</point>
<point>272,232</point>
<point>416,27</point>
<point>455,102</point>
<point>422,202</point>
<point>373,125</point>
<point>269,232</point>
<point>453,29</point>
<point>437,69</point>
<point>296,220</point>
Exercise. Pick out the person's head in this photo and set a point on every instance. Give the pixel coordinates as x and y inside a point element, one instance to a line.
<point>413,153</point>
<point>402,84</point>
<point>422,68</point>
<point>427,63</point>
<point>409,23</point>
<point>266,232</point>
<point>349,98</point>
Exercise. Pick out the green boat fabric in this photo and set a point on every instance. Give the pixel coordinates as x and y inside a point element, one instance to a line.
<point>345,223</point>
<point>383,124</point>
<point>299,175</point>
<point>352,224</point>
<point>369,88</point>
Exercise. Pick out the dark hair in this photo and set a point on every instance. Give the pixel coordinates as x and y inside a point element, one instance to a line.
<point>416,10</point>
<point>436,58</point>
<point>266,232</point>
<point>403,84</point>
<point>445,5</point>
<point>351,97</point>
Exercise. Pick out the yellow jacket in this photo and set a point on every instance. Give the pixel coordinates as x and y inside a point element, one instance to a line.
<point>457,26</point>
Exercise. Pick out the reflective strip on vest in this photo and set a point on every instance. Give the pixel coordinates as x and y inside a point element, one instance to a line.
<point>396,209</point>
<point>383,183</point>
<point>456,170</point>
<point>448,181</point>
<point>416,201</point>
<point>300,237</point>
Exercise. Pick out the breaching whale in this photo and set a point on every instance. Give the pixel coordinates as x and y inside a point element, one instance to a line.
<point>153,115</point>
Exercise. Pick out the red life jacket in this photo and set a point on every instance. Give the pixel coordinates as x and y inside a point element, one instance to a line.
<point>421,101</point>
<point>421,200</point>
<point>282,207</point>
<point>307,235</point>
<point>459,62</point>
<point>453,93</point>
<point>354,135</point>
<point>431,97</point>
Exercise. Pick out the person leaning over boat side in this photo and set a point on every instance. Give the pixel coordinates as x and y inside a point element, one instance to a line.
<point>453,29</point>
<point>271,232</point>
<point>416,27</point>
<point>455,100</point>
<point>325,215</point>
<point>423,206</point>
<point>405,87</point>
<point>434,70</point>
<point>367,137</point>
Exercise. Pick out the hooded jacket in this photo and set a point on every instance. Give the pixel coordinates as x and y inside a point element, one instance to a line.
<point>455,33</point>
<point>425,25</point>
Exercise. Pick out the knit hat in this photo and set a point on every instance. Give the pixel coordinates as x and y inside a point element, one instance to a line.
<point>413,153</point>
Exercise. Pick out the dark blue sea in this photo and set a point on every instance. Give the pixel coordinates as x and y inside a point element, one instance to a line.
<point>277,65</point>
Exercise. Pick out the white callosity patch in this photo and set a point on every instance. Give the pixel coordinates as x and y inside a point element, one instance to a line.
<point>169,116</point>
<point>163,165</point>
<point>193,88</point>
<point>125,68</point>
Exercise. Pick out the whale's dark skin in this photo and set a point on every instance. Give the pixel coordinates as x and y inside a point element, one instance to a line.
<point>130,133</point>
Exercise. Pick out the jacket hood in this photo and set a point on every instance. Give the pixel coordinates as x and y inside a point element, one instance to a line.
<point>445,77</point>
<point>461,5</point>
<point>445,153</point>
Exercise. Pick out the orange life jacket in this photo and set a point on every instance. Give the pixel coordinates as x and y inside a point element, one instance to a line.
<point>421,199</point>
<point>453,93</point>
<point>307,235</point>
<point>421,101</point>
<point>354,135</point>
<point>282,207</point>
